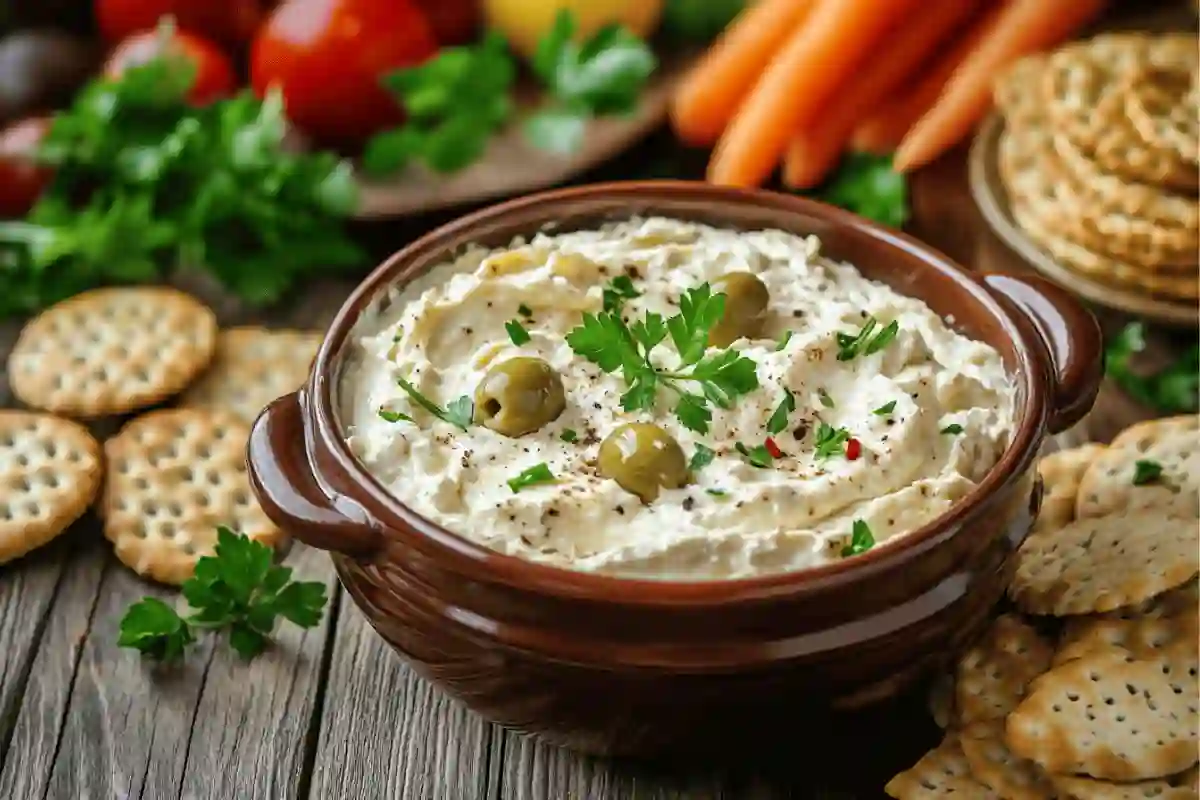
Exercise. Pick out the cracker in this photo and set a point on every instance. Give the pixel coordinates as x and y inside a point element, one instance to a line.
<point>111,351</point>
<point>1011,91</point>
<point>941,701</point>
<point>253,367</point>
<point>1176,787</point>
<point>992,676</point>
<point>993,764</point>
<point>1061,472</point>
<point>50,471</point>
<point>173,477</point>
<point>1141,636</point>
<point>1163,109</point>
<point>1103,563</point>
<point>942,772</point>
<point>1173,443</point>
<point>1111,716</point>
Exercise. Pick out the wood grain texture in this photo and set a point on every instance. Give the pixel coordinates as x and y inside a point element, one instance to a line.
<point>387,733</point>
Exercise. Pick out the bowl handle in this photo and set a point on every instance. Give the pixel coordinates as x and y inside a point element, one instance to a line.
<point>281,475</point>
<point>1072,337</point>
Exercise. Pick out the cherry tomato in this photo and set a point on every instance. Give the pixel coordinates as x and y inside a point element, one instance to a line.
<point>452,21</point>
<point>21,179</point>
<point>230,21</point>
<point>214,72</point>
<point>327,57</point>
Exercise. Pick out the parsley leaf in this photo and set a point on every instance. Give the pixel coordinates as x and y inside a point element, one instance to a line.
<point>618,290</point>
<point>538,473</point>
<point>699,20</point>
<point>701,458</point>
<point>1173,390</point>
<point>1146,472</point>
<point>569,436</point>
<point>952,428</point>
<point>867,341</point>
<point>826,400</point>
<point>829,440</point>
<point>885,409</point>
<point>861,539</point>
<point>394,416</point>
<point>716,492</point>
<point>699,311</point>
<point>867,185</point>
<point>516,332</point>
<point>457,413</point>
<point>758,456</point>
<point>779,419</point>
<point>783,341</point>
<point>239,589</point>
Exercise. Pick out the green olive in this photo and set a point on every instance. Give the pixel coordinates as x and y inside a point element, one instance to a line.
<point>518,396</point>
<point>643,458</point>
<point>746,299</point>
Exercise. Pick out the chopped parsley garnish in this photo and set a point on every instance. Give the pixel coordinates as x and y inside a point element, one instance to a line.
<point>516,332</point>
<point>569,436</point>
<point>1146,472</point>
<point>885,409</point>
<point>829,440</point>
<point>779,419</point>
<point>861,539</point>
<point>758,456</point>
<point>701,458</point>
<point>953,428</point>
<point>867,341</point>
<point>458,412</point>
<point>538,473</point>
<point>619,290</point>
<point>525,311</point>
<point>394,416</point>
<point>605,340</point>
<point>783,341</point>
<point>826,400</point>
<point>717,492</point>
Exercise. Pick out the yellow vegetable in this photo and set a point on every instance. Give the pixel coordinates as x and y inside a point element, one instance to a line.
<point>523,22</point>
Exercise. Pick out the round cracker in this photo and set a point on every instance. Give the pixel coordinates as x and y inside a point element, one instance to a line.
<point>1182,786</point>
<point>1061,473</point>
<point>1011,91</point>
<point>992,676</point>
<point>253,367</point>
<point>1141,636</point>
<point>111,351</point>
<point>942,772</point>
<point>50,472</point>
<point>1112,716</point>
<point>174,476</point>
<point>993,764</point>
<point>1173,443</point>
<point>1103,563</point>
<point>1163,109</point>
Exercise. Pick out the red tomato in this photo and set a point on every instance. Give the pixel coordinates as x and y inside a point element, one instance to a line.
<point>453,21</point>
<point>231,21</point>
<point>327,57</point>
<point>214,72</point>
<point>21,179</point>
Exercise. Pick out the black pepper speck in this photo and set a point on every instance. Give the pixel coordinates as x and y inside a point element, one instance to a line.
<point>688,503</point>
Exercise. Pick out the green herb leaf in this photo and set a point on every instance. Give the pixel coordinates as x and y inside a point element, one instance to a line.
<point>525,311</point>
<point>516,332</point>
<point>569,436</point>
<point>618,290</point>
<point>557,130</point>
<point>885,409</point>
<point>716,492</point>
<point>952,428</point>
<point>693,412</point>
<point>830,441</point>
<point>758,456</point>
<point>457,413</point>
<point>539,473</point>
<point>394,416</point>
<point>826,400</point>
<point>1172,390</point>
<point>1146,472</point>
<point>238,588</point>
<point>699,311</point>
<point>783,341</point>
<point>861,539</point>
<point>779,419</point>
<point>867,341</point>
<point>701,458</point>
<point>699,20</point>
<point>867,185</point>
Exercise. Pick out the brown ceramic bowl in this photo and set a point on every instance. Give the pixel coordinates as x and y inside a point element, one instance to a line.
<point>616,665</point>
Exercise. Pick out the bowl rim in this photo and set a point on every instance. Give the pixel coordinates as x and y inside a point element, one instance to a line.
<point>459,553</point>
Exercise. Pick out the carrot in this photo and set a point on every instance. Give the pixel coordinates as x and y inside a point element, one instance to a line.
<point>709,95</point>
<point>815,151</point>
<point>884,130</point>
<point>818,57</point>
<point>1024,27</point>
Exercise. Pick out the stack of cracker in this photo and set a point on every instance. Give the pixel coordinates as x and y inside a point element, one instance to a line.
<point>1088,688</point>
<point>171,475</point>
<point>1099,159</point>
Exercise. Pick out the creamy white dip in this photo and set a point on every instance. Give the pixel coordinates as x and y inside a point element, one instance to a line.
<point>443,331</point>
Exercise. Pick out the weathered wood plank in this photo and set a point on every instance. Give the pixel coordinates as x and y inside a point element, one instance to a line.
<point>252,728</point>
<point>387,733</point>
<point>43,707</point>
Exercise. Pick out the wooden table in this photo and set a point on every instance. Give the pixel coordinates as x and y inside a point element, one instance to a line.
<point>332,713</point>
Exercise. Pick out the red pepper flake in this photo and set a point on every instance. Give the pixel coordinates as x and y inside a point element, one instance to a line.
<point>773,448</point>
<point>853,449</point>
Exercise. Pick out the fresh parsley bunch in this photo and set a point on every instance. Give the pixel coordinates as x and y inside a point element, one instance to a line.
<point>145,183</point>
<point>1172,390</point>
<point>721,377</point>
<point>239,589</point>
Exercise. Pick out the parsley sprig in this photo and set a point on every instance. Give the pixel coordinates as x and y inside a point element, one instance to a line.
<point>1175,389</point>
<point>457,412</point>
<point>722,376</point>
<point>861,539</point>
<point>538,473</point>
<point>239,589</point>
<point>867,341</point>
<point>830,441</point>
